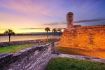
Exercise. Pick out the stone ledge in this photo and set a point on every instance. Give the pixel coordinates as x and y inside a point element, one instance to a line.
<point>81,57</point>
<point>7,59</point>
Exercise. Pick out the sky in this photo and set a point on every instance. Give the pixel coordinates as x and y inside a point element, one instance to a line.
<point>24,15</point>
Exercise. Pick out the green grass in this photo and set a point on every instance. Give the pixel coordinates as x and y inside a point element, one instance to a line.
<point>15,48</point>
<point>74,64</point>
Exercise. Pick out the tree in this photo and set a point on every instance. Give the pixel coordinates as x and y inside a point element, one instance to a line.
<point>60,31</point>
<point>9,32</point>
<point>47,29</point>
<point>54,30</point>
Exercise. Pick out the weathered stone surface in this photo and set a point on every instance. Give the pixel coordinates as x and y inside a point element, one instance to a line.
<point>84,38</point>
<point>34,58</point>
<point>5,59</point>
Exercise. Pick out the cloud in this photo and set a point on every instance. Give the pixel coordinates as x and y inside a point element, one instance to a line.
<point>91,20</point>
<point>27,7</point>
<point>31,28</point>
<point>12,21</point>
<point>27,13</point>
<point>32,13</point>
<point>56,25</point>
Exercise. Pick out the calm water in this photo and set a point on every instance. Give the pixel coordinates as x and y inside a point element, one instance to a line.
<point>21,38</point>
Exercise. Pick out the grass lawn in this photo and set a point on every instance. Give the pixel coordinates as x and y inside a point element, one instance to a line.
<point>73,64</point>
<point>15,48</point>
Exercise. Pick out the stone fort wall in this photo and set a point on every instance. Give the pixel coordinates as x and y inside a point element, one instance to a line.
<point>84,37</point>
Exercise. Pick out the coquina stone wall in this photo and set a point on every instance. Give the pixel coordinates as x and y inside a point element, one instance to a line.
<point>33,58</point>
<point>84,37</point>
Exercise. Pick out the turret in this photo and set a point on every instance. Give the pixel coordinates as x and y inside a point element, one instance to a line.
<point>69,18</point>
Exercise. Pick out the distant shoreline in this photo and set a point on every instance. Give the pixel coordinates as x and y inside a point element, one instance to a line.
<point>42,33</point>
<point>26,37</point>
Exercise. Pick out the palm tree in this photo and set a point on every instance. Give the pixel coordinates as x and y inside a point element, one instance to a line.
<point>47,29</point>
<point>60,31</point>
<point>54,30</point>
<point>9,32</point>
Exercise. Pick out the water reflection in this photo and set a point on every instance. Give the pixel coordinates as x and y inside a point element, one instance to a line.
<point>28,37</point>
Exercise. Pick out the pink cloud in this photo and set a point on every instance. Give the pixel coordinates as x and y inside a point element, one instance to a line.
<point>26,7</point>
<point>32,11</point>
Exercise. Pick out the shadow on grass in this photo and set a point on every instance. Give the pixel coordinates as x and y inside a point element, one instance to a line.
<point>86,52</point>
<point>75,51</point>
<point>73,64</point>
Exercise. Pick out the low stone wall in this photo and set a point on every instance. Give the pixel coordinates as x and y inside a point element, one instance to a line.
<point>28,59</point>
<point>5,60</point>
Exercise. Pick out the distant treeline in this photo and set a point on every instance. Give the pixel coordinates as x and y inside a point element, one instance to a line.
<point>41,33</point>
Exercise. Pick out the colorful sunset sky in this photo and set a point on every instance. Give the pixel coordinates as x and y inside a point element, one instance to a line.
<point>24,15</point>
